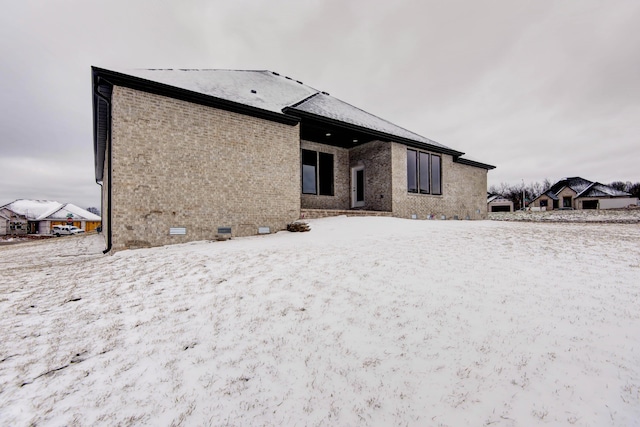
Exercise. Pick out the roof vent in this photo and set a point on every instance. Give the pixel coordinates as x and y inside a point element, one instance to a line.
<point>253,91</point>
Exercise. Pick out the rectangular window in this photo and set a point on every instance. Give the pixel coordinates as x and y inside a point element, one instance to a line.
<point>309,161</point>
<point>436,176</point>
<point>424,173</point>
<point>317,173</point>
<point>566,202</point>
<point>412,171</point>
<point>325,161</point>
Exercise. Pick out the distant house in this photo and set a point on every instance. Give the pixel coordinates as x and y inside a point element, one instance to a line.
<point>39,216</point>
<point>12,224</point>
<point>187,155</point>
<point>580,193</point>
<point>497,203</point>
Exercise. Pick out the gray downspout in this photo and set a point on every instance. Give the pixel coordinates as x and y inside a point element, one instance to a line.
<point>108,213</point>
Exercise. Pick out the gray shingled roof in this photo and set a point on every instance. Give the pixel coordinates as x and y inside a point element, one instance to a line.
<point>583,188</point>
<point>260,88</point>
<point>325,105</point>
<point>601,190</point>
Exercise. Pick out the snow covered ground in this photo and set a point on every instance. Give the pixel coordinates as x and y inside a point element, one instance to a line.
<point>362,321</point>
<point>628,216</point>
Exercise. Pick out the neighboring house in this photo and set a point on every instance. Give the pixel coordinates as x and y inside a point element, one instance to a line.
<point>4,224</point>
<point>12,224</point>
<point>580,193</point>
<point>39,216</point>
<point>187,155</point>
<point>497,203</point>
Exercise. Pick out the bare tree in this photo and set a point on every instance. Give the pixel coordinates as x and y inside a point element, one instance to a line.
<point>634,189</point>
<point>514,192</point>
<point>619,185</point>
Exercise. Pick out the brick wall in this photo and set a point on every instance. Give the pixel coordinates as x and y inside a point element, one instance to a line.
<point>548,199</point>
<point>464,190</point>
<point>178,164</point>
<point>376,158</point>
<point>566,192</point>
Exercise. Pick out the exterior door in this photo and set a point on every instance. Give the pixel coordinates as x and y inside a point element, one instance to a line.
<point>357,187</point>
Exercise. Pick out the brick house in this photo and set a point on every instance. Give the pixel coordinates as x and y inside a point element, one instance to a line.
<point>186,155</point>
<point>580,193</point>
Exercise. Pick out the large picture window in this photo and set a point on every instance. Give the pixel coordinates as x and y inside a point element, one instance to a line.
<point>317,173</point>
<point>423,166</point>
<point>436,174</point>
<point>424,173</point>
<point>412,171</point>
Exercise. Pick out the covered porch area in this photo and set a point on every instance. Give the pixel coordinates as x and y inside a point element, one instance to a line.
<point>345,170</point>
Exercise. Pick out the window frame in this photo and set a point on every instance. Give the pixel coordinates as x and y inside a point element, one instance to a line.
<point>305,162</point>
<point>324,172</point>
<point>439,192</point>
<point>416,161</point>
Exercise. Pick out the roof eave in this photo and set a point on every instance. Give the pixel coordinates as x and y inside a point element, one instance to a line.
<point>378,134</point>
<point>144,85</point>
<point>473,163</point>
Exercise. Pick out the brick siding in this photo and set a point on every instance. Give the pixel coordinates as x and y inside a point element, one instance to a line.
<point>179,164</point>
<point>376,158</point>
<point>464,190</point>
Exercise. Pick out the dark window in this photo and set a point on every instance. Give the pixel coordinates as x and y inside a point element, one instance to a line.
<point>317,173</point>
<point>590,204</point>
<point>424,173</point>
<point>309,161</point>
<point>360,185</point>
<point>326,174</point>
<point>436,177</point>
<point>543,203</point>
<point>566,202</point>
<point>412,171</point>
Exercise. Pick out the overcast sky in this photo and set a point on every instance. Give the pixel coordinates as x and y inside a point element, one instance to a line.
<point>541,89</point>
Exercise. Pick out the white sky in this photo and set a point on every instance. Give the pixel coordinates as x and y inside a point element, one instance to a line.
<point>539,89</point>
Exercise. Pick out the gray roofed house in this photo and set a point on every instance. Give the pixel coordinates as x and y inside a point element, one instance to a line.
<point>39,216</point>
<point>188,155</point>
<point>580,193</point>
